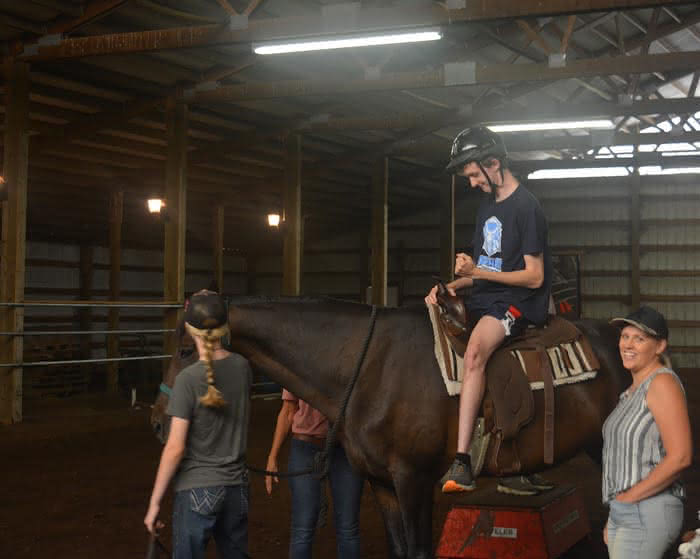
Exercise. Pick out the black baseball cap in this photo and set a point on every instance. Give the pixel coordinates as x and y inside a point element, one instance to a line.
<point>646,319</point>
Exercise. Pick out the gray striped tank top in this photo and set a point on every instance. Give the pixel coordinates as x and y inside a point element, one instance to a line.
<point>632,445</point>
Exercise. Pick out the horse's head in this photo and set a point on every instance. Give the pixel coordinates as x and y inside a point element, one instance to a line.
<point>185,354</point>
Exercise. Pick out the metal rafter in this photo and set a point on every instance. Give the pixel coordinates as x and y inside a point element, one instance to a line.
<point>368,19</point>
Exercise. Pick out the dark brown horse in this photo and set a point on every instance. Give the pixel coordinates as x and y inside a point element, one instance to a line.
<point>400,425</point>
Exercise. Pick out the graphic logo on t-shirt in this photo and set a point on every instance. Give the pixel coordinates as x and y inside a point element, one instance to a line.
<point>493,233</point>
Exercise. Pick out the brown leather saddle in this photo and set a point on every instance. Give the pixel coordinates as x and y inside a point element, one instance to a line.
<point>508,402</point>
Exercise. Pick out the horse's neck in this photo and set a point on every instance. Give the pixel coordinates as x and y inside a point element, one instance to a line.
<point>302,352</point>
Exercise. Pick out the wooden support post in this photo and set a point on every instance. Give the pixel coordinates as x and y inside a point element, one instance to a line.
<point>291,274</point>
<point>176,215</point>
<point>14,229</point>
<point>447,231</point>
<point>85,315</point>
<point>218,245</point>
<point>635,233</point>
<point>116,215</point>
<point>380,231</point>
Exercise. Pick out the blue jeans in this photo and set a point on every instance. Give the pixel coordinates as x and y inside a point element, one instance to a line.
<point>220,511</point>
<point>644,530</point>
<point>346,487</point>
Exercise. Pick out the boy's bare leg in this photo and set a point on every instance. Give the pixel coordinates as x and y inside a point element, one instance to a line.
<point>487,335</point>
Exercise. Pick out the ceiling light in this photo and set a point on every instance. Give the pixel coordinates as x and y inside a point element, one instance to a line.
<point>530,126</point>
<point>579,173</point>
<point>346,42</point>
<point>656,170</point>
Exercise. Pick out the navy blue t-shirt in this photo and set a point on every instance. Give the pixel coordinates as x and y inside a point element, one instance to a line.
<point>505,232</point>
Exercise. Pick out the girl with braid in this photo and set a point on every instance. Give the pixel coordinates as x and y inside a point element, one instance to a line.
<point>205,451</point>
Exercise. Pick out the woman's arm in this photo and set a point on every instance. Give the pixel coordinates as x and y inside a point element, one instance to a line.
<point>667,404</point>
<point>282,429</point>
<point>169,461</point>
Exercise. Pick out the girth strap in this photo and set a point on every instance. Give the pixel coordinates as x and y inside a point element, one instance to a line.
<point>548,379</point>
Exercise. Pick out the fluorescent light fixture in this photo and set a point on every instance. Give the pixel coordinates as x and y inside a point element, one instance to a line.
<point>656,170</point>
<point>273,220</point>
<point>599,172</point>
<point>580,173</point>
<point>346,42</point>
<point>533,126</point>
<point>155,205</point>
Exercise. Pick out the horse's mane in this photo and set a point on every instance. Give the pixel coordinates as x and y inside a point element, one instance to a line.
<point>322,301</point>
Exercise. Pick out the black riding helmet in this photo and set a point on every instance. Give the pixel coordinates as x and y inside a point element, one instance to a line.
<point>475,144</point>
<point>206,311</point>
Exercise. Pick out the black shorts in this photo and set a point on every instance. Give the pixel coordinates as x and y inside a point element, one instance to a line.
<point>514,323</point>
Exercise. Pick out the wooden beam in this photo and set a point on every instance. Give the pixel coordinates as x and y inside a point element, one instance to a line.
<point>176,216</point>
<point>116,218</point>
<point>368,19</point>
<point>483,75</point>
<point>447,231</point>
<point>292,257</point>
<point>534,36</point>
<point>567,34</point>
<point>14,225</point>
<point>227,7</point>
<point>380,231</point>
<point>218,247</point>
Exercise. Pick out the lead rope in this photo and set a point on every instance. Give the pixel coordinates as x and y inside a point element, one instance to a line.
<point>322,460</point>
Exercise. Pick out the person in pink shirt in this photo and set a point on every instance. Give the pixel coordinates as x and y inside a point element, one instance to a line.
<point>309,428</point>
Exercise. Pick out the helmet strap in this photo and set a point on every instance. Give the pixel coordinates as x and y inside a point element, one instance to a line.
<point>488,179</point>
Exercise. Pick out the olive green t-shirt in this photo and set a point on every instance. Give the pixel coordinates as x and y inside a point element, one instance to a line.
<point>217,437</point>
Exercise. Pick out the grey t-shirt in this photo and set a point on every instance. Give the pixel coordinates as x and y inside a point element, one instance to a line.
<point>217,437</point>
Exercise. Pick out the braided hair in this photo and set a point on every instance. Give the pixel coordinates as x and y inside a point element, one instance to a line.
<point>206,318</point>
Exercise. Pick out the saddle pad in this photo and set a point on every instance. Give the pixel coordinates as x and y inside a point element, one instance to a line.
<point>449,361</point>
<point>570,361</point>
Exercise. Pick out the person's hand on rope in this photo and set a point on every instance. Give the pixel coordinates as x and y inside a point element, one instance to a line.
<point>464,265</point>
<point>153,525</point>
<point>271,467</point>
<point>431,297</point>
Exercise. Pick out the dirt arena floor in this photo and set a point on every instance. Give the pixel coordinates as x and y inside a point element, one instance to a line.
<point>75,478</point>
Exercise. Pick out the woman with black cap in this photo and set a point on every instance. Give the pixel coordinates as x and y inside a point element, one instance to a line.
<point>646,445</point>
<point>206,446</point>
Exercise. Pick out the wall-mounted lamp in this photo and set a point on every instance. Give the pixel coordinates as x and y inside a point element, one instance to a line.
<point>155,205</point>
<point>273,220</point>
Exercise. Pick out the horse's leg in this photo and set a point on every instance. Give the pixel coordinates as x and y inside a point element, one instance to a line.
<point>393,523</point>
<point>415,493</point>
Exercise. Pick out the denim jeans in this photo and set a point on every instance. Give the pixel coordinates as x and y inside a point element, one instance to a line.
<point>346,488</point>
<point>220,511</point>
<point>644,530</point>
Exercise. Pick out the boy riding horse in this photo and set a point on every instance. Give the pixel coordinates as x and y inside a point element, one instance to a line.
<point>509,272</point>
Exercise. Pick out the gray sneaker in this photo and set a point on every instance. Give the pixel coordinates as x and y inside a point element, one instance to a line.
<point>458,478</point>
<point>538,482</point>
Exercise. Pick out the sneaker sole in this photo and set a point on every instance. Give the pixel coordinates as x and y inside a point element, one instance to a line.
<point>451,486</point>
